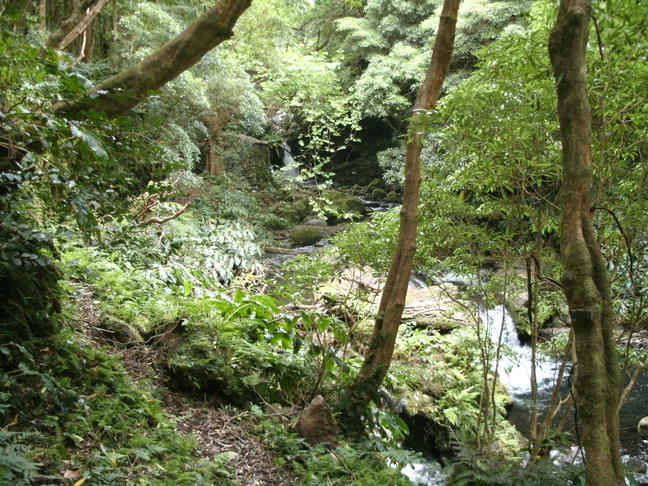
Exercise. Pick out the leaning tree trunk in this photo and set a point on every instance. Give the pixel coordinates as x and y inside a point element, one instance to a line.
<point>121,92</point>
<point>392,303</point>
<point>77,15</point>
<point>585,280</point>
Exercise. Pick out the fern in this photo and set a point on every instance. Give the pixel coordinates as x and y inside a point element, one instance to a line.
<point>15,466</point>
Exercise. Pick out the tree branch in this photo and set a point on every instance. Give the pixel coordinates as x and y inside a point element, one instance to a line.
<point>158,220</point>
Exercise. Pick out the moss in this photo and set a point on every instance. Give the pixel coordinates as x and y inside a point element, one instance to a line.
<point>273,222</point>
<point>375,184</point>
<point>343,205</point>
<point>294,211</point>
<point>116,329</point>
<point>392,196</point>
<point>305,235</point>
<point>232,361</point>
<point>77,404</point>
<point>378,194</point>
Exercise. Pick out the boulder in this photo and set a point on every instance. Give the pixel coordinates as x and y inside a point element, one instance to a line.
<point>315,222</point>
<point>305,235</point>
<point>642,427</point>
<point>635,464</point>
<point>392,197</point>
<point>316,423</point>
<point>115,329</point>
<point>343,204</point>
<point>378,193</point>
<point>551,332</point>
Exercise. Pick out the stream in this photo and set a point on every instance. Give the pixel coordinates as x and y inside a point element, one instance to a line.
<point>514,372</point>
<point>515,375</point>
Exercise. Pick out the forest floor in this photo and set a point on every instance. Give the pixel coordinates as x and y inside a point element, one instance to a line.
<point>216,429</point>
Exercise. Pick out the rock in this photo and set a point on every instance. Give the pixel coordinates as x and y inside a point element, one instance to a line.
<point>115,329</point>
<point>375,184</point>
<point>292,211</point>
<point>393,197</point>
<point>315,222</point>
<point>343,204</point>
<point>378,193</point>
<point>305,235</point>
<point>520,300</point>
<point>635,465</point>
<point>561,457</point>
<point>642,427</point>
<point>551,332</point>
<point>316,423</point>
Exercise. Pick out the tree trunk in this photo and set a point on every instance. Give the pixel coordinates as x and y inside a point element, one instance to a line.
<point>392,303</point>
<point>598,380</point>
<point>214,160</point>
<point>82,25</point>
<point>78,12</point>
<point>121,92</point>
<point>42,15</point>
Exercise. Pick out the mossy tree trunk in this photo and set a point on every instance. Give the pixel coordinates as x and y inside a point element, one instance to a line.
<point>392,303</point>
<point>76,17</point>
<point>214,164</point>
<point>121,92</point>
<point>598,381</point>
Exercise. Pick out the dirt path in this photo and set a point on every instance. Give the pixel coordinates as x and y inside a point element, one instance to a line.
<point>216,430</point>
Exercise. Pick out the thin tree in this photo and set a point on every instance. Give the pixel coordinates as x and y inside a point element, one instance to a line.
<point>123,91</point>
<point>390,312</point>
<point>79,10</point>
<point>598,378</point>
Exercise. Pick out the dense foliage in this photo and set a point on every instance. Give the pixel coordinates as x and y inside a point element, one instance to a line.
<point>133,258</point>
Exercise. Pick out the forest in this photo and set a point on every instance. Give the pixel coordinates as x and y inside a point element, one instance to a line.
<point>323,242</point>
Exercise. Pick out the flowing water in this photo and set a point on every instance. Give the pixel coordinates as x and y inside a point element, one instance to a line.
<point>290,166</point>
<point>514,373</point>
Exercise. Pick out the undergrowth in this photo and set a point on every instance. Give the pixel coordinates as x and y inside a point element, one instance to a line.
<point>70,412</point>
<point>353,464</point>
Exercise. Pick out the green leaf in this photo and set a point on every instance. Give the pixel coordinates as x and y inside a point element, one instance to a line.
<point>90,140</point>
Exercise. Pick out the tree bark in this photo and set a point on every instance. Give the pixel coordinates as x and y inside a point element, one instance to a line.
<point>42,15</point>
<point>121,92</point>
<point>84,22</point>
<point>78,12</point>
<point>598,378</point>
<point>392,303</point>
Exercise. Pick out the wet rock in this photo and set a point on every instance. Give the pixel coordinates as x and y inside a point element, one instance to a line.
<point>635,465</point>
<point>315,222</point>
<point>561,457</point>
<point>316,423</point>
<point>378,193</point>
<point>552,332</point>
<point>642,427</point>
<point>305,235</point>
<point>393,197</point>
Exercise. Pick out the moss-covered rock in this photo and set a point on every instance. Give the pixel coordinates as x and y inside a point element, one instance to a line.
<point>305,235</point>
<point>378,194</point>
<point>392,196</point>
<point>292,211</point>
<point>274,222</point>
<point>375,184</point>
<point>344,205</point>
<point>118,330</point>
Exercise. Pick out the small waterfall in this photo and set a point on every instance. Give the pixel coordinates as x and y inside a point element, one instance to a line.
<point>515,366</point>
<point>290,166</point>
